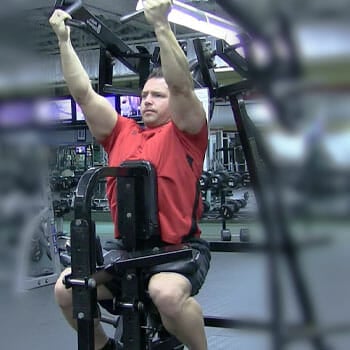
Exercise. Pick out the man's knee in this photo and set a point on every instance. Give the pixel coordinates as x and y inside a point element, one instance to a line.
<point>62,294</point>
<point>169,292</point>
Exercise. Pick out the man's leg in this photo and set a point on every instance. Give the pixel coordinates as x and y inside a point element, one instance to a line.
<point>180,313</point>
<point>64,300</point>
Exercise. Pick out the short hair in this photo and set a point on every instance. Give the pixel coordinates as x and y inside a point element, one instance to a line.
<point>156,73</point>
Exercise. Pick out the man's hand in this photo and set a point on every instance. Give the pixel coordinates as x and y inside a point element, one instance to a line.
<point>157,11</point>
<point>59,27</point>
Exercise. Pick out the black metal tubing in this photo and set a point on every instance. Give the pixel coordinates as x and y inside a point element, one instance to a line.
<point>69,6</point>
<point>136,61</point>
<point>244,19</point>
<point>271,230</point>
<point>121,91</point>
<point>83,240</point>
<point>298,332</point>
<point>85,20</point>
<point>238,247</point>
<point>276,230</point>
<point>235,88</point>
<point>203,66</point>
<point>131,16</point>
<point>133,335</point>
<point>84,190</point>
<point>293,331</point>
<point>222,322</point>
<point>232,58</point>
<point>109,40</point>
<point>105,70</point>
<point>280,220</point>
<point>83,263</point>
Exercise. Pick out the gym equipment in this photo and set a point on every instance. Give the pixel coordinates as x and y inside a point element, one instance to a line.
<point>60,207</point>
<point>205,180</point>
<point>227,212</point>
<point>243,235</point>
<point>246,179</point>
<point>138,226</point>
<point>29,257</point>
<point>222,179</point>
<point>278,70</point>
<point>70,160</point>
<point>206,206</point>
<point>38,257</point>
<point>220,184</point>
<point>232,206</point>
<point>266,77</point>
<point>138,62</point>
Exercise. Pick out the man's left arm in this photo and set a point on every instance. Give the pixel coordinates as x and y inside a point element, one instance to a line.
<point>187,112</point>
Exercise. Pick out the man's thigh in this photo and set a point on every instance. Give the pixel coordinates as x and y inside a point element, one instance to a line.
<point>169,283</point>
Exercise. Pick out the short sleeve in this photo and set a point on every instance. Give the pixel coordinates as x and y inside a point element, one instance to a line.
<point>196,142</point>
<point>123,126</point>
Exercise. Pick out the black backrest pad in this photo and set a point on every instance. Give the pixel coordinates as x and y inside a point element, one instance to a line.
<point>137,203</point>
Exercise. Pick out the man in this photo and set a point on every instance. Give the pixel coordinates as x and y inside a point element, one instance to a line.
<point>174,141</point>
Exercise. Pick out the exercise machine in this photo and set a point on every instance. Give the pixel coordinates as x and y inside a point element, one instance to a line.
<point>29,255</point>
<point>143,256</point>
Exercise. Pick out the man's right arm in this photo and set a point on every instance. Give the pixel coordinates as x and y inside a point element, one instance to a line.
<point>100,115</point>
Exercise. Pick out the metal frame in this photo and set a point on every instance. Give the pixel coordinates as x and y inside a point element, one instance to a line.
<point>272,213</point>
<point>44,216</point>
<point>111,46</point>
<point>265,182</point>
<point>85,278</point>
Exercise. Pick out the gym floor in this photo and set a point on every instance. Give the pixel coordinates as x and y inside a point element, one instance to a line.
<point>236,287</point>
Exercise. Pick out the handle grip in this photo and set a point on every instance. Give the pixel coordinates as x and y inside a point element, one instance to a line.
<point>75,23</point>
<point>131,16</point>
<point>75,5</point>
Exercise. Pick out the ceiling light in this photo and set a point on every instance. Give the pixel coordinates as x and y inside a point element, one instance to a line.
<point>201,21</point>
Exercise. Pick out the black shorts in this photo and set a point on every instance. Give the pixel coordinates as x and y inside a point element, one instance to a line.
<point>196,279</point>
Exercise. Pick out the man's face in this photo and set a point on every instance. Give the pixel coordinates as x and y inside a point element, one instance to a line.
<point>155,103</point>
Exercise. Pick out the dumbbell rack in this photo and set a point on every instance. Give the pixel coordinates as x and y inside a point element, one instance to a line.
<point>221,183</point>
<point>225,233</point>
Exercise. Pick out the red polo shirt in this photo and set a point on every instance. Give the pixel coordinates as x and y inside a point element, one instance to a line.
<point>178,158</point>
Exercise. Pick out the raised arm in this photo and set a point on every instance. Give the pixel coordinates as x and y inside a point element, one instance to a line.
<point>100,115</point>
<point>187,111</point>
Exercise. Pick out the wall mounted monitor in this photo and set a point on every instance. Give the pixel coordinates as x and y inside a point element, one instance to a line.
<point>130,106</point>
<point>16,113</point>
<point>79,115</point>
<point>80,149</point>
<point>54,111</point>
